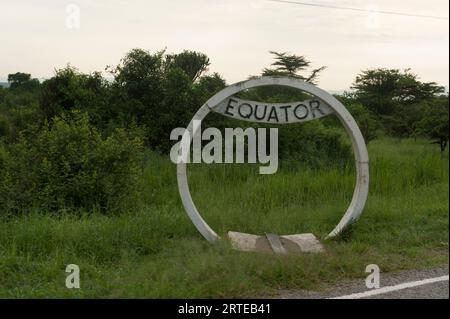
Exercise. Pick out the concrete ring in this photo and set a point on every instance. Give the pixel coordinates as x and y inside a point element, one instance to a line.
<point>361,190</point>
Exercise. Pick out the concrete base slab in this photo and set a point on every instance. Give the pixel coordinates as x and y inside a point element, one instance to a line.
<point>298,243</point>
<point>307,243</point>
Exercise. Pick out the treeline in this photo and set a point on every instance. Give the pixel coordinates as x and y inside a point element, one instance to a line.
<point>77,141</point>
<point>400,105</point>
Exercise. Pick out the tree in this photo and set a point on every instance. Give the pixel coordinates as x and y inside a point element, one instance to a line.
<point>157,91</point>
<point>285,64</point>
<point>291,65</point>
<point>396,97</point>
<point>140,76</point>
<point>69,89</point>
<point>403,122</point>
<point>17,79</point>
<point>194,64</point>
<point>435,123</point>
<point>175,110</point>
<point>382,90</point>
<point>22,81</point>
<point>208,85</point>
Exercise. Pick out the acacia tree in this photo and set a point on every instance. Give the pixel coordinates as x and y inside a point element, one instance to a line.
<point>285,64</point>
<point>292,65</point>
<point>382,90</point>
<point>397,97</point>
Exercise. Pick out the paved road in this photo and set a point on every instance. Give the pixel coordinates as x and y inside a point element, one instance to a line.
<point>435,290</point>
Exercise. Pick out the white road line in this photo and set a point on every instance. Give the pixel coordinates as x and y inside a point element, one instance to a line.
<point>392,288</point>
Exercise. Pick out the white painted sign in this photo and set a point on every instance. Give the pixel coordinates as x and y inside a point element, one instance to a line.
<point>275,113</point>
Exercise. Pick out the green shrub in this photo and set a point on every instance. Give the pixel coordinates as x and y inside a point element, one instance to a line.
<point>366,120</point>
<point>18,119</point>
<point>5,127</point>
<point>315,145</point>
<point>68,165</point>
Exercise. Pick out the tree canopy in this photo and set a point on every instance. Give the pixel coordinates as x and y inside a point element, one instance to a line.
<point>20,80</point>
<point>292,65</point>
<point>382,90</point>
<point>194,64</point>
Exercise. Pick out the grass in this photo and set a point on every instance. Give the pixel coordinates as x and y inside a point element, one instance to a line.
<point>157,253</point>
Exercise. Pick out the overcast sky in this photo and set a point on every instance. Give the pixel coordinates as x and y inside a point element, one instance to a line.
<point>38,36</point>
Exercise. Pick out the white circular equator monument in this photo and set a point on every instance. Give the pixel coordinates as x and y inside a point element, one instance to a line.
<point>322,104</point>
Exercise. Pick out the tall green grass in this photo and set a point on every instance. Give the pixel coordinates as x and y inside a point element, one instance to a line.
<point>156,251</point>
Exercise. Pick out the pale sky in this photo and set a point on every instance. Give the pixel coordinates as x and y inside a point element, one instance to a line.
<point>38,36</point>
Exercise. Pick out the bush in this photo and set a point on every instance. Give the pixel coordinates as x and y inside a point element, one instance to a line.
<point>312,144</point>
<point>17,120</point>
<point>68,165</point>
<point>434,124</point>
<point>366,120</point>
<point>71,90</point>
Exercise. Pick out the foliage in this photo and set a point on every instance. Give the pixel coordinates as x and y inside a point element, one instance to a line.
<point>17,120</point>
<point>194,64</point>
<point>397,98</point>
<point>140,76</point>
<point>314,145</point>
<point>208,85</point>
<point>71,90</point>
<point>161,92</point>
<point>367,121</point>
<point>19,111</point>
<point>67,165</point>
<point>292,65</point>
<point>22,81</point>
<point>382,90</point>
<point>152,93</point>
<point>285,65</point>
<point>3,93</point>
<point>435,125</point>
